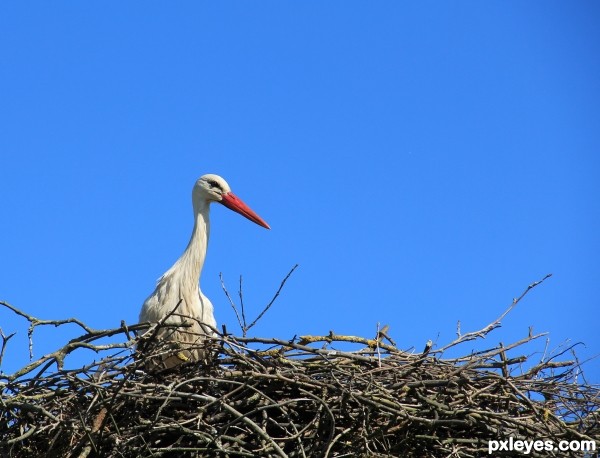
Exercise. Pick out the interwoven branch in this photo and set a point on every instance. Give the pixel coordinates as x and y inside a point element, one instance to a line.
<point>303,397</point>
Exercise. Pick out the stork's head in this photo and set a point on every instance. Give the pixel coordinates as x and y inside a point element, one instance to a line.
<point>213,188</point>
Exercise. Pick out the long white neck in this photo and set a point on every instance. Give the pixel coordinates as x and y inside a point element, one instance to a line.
<point>189,266</point>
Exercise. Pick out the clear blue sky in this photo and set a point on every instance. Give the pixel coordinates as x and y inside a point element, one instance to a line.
<point>423,162</point>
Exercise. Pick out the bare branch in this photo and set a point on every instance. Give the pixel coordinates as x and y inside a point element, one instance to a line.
<point>5,339</point>
<point>231,302</point>
<point>241,295</point>
<point>493,325</point>
<point>244,327</point>
<point>260,315</point>
<point>294,397</point>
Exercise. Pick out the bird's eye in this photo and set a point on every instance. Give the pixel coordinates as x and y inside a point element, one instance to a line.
<point>215,185</point>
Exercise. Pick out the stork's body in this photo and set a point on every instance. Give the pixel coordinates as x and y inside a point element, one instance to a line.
<point>178,297</point>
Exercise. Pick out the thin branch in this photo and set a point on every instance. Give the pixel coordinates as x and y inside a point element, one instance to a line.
<point>38,322</point>
<point>237,315</point>
<point>33,322</point>
<point>493,325</point>
<point>241,295</point>
<point>294,397</point>
<point>5,339</point>
<point>244,327</point>
<point>274,297</point>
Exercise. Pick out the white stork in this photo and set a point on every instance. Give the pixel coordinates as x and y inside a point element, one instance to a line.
<point>177,297</point>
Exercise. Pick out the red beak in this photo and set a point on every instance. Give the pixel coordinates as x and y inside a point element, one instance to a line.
<point>233,202</point>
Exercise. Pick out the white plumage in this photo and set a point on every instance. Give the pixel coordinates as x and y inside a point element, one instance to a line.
<point>178,292</point>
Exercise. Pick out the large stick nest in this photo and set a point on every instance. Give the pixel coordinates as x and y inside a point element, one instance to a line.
<point>309,396</point>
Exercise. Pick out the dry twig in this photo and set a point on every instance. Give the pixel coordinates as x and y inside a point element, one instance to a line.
<point>244,326</point>
<point>291,398</point>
